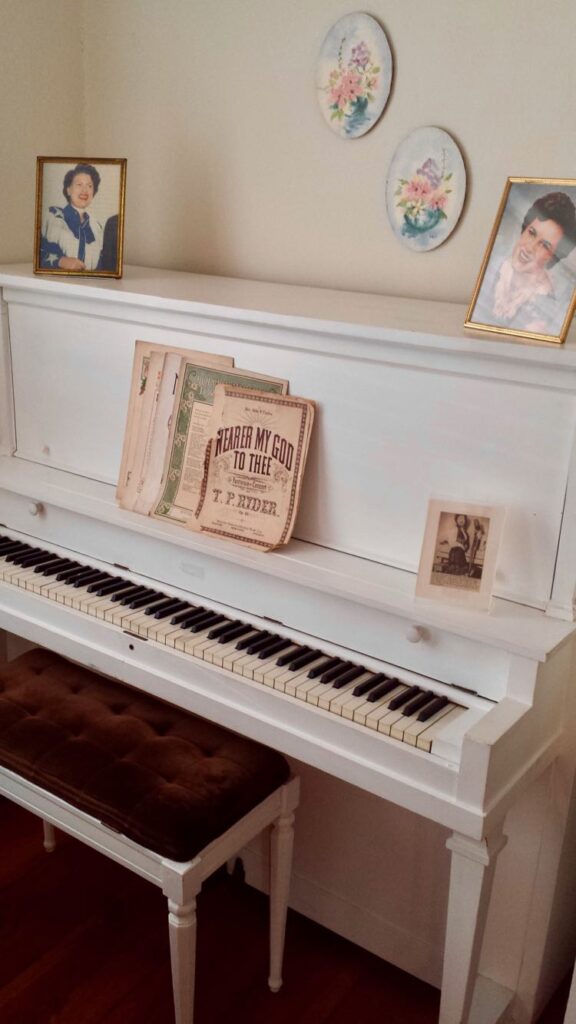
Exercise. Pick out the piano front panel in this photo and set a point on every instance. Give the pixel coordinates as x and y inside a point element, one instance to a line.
<point>391,430</point>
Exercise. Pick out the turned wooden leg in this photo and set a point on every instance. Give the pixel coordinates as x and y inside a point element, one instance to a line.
<point>471,875</point>
<point>281,844</point>
<point>182,927</point>
<point>49,837</point>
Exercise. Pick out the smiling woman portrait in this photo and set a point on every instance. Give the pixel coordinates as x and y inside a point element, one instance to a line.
<point>74,236</point>
<point>522,290</point>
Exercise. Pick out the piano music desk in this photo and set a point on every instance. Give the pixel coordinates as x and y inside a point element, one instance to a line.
<point>409,407</point>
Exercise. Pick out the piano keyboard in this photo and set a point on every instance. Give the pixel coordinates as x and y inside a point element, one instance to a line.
<point>372,699</point>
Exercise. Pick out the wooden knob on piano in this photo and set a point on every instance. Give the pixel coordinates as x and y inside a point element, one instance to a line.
<point>414,634</point>
<point>35,508</point>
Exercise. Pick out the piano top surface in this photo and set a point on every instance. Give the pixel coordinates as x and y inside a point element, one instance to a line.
<point>410,322</point>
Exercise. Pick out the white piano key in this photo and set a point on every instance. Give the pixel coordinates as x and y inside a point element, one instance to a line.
<point>43,585</point>
<point>217,654</point>
<point>338,698</point>
<point>298,680</point>
<point>429,735</point>
<point>11,572</point>
<point>190,641</point>
<point>445,738</point>
<point>302,688</point>
<point>235,655</point>
<point>160,631</point>
<point>352,703</point>
<point>258,665</point>
<point>292,676</point>
<point>369,707</point>
<point>412,732</point>
<point>267,674</point>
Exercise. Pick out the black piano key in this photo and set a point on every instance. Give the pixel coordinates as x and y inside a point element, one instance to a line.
<point>432,708</point>
<point>7,543</point>
<point>182,616</point>
<point>418,703</point>
<point>16,550</point>
<point>87,573</point>
<point>123,597</point>
<point>334,674</point>
<point>235,634</point>
<point>381,690</point>
<point>12,549</point>
<point>369,684</point>
<point>113,587</point>
<point>17,556</point>
<point>260,634</point>
<point>259,644</point>
<point>324,667</point>
<point>404,697</point>
<point>223,629</point>
<point>303,659</point>
<point>31,560</point>
<point>348,677</point>
<point>285,659</point>
<point>169,606</point>
<point>151,597</point>
<point>67,575</point>
<point>188,618</point>
<point>210,620</point>
<point>51,568</point>
<point>92,577</point>
<point>191,618</point>
<point>274,648</point>
<point>96,585</point>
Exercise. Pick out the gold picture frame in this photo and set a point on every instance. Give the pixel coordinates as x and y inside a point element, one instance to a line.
<point>79,223</point>
<point>527,282</point>
<point>459,551</point>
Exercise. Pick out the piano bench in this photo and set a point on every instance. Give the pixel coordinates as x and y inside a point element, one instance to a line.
<point>167,794</point>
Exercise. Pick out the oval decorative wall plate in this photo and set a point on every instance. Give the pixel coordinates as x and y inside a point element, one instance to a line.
<point>354,75</point>
<point>425,189</point>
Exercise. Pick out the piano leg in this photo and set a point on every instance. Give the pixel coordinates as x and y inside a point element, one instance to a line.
<point>471,875</point>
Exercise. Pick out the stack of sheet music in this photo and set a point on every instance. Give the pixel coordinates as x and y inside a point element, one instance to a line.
<point>213,448</point>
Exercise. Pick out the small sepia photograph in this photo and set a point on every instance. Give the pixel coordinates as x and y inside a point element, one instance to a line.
<point>79,226</point>
<point>527,281</point>
<point>459,552</point>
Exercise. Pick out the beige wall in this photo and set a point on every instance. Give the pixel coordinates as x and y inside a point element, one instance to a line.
<point>41,106</point>
<point>231,169</point>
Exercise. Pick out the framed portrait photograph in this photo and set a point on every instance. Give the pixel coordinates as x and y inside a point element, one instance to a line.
<point>459,552</point>
<point>79,227</point>
<point>527,281</point>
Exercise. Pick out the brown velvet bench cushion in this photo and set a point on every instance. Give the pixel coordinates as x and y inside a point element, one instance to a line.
<point>165,778</point>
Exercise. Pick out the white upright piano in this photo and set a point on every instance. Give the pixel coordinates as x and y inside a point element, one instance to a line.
<point>409,407</point>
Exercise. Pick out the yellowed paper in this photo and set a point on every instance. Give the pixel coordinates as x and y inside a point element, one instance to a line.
<point>254,466</point>
<point>155,371</point>
<point>184,467</point>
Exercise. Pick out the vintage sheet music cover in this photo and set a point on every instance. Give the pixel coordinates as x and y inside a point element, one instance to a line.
<point>254,466</point>
<point>184,466</point>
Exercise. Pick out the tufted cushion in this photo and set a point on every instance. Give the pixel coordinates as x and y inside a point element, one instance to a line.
<point>164,778</point>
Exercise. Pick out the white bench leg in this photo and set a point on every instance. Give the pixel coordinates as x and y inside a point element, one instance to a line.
<point>49,837</point>
<point>182,927</point>
<point>281,844</point>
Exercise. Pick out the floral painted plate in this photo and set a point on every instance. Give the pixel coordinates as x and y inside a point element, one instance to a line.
<point>354,75</point>
<point>425,189</point>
